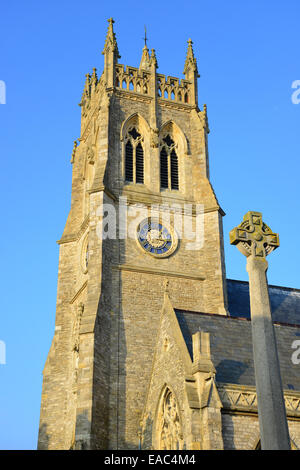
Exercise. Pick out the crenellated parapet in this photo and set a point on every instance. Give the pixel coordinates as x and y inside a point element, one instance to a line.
<point>139,81</point>
<point>132,79</point>
<point>143,80</point>
<point>174,89</point>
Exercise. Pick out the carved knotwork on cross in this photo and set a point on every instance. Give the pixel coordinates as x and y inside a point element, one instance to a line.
<point>253,236</point>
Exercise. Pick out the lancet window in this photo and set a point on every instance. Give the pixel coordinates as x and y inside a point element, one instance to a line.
<point>169,178</point>
<point>134,156</point>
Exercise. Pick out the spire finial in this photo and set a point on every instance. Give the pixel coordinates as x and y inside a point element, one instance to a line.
<point>145,60</point>
<point>153,59</point>
<point>145,38</point>
<point>87,82</point>
<point>94,78</point>
<point>190,61</point>
<point>110,41</point>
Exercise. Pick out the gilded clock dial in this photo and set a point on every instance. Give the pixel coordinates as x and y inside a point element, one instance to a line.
<point>155,238</point>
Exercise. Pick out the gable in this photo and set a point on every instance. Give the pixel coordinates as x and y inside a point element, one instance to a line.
<point>171,367</point>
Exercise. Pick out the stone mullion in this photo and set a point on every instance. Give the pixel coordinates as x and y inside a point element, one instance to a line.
<point>123,146</point>
<point>169,170</point>
<point>134,145</point>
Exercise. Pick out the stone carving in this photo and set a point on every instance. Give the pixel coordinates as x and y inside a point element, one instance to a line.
<point>132,79</point>
<point>111,41</point>
<point>173,89</point>
<point>253,236</point>
<point>76,328</point>
<point>166,345</point>
<point>190,61</point>
<point>85,254</point>
<point>246,399</point>
<point>204,118</point>
<point>166,285</point>
<point>74,151</point>
<point>90,155</point>
<point>154,138</point>
<point>94,78</point>
<point>169,426</point>
<point>238,398</point>
<point>75,344</point>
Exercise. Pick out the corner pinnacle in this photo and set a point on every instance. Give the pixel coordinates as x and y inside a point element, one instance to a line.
<point>110,41</point>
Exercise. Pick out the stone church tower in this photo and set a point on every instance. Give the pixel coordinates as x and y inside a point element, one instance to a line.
<point>122,371</point>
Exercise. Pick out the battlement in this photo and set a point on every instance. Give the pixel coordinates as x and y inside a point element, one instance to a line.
<point>169,88</point>
<point>173,89</point>
<point>132,79</point>
<point>143,80</point>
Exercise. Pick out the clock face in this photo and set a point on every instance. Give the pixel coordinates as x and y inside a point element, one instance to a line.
<point>155,238</point>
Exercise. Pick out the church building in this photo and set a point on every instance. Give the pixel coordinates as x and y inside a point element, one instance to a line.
<point>152,346</point>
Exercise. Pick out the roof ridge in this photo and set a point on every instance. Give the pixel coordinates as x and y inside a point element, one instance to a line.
<point>232,317</point>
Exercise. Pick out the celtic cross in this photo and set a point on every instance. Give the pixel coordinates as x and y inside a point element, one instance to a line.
<point>253,236</point>
<point>256,240</point>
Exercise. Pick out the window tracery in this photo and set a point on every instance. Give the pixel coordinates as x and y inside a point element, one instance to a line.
<point>169,426</point>
<point>134,156</point>
<point>169,176</point>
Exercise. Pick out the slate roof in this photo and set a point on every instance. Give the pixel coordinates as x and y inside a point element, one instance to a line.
<point>285,302</point>
<point>231,339</point>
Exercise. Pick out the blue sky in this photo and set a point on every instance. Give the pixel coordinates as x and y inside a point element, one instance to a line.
<point>248,58</point>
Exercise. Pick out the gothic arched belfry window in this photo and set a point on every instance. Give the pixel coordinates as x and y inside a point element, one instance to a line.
<point>169,430</point>
<point>169,178</point>
<point>134,156</point>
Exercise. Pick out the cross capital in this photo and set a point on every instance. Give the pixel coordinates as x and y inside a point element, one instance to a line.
<point>254,237</point>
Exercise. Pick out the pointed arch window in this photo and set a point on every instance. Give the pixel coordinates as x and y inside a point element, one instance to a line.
<point>164,181</point>
<point>139,164</point>
<point>129,162</point>
<point>134,157</point>
<point>174,170</point>
<point>169,175</point>
<point>169,430</point>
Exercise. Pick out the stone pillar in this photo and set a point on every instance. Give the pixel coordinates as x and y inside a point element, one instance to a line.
<point>256,240</point>
<point>271,406</point>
